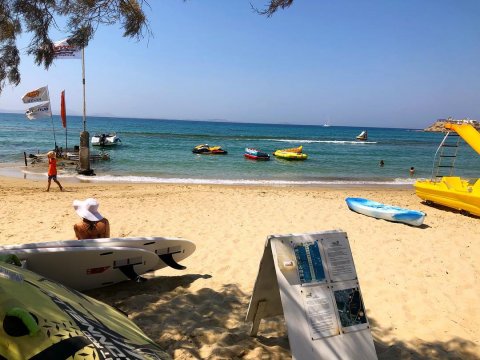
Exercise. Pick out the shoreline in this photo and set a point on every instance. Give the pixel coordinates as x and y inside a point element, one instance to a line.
<point>18,171</point>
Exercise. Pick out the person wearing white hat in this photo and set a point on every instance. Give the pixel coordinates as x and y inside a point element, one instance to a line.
<point>93,224</point>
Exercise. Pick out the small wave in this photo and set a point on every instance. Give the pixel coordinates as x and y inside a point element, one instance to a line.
<point>45,173</point>
<point>304,141</point>
<point>405,181</point>
<point>156,180</point>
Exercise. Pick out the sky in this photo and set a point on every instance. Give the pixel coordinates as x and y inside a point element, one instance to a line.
<point>396,63</point>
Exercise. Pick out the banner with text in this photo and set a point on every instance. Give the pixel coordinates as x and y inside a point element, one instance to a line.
<point>63,50</point>
<point>39,111</point>
<point>40,94</point>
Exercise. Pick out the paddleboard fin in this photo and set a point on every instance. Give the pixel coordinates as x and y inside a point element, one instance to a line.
<point>128,271</point>
<point>168,259</point>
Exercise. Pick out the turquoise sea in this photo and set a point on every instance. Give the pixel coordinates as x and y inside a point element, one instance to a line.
<point>160,151</point>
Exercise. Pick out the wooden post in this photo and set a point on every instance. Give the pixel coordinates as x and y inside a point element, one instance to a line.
<point>84,154</point>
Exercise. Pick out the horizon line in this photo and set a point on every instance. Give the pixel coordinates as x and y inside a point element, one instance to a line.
<point>320,124</point>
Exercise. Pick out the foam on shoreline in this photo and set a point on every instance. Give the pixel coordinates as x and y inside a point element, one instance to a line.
<point>20,172</point>
<point>261,182</point>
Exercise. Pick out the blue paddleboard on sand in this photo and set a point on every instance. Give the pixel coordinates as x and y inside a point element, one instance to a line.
<point>386,212</point>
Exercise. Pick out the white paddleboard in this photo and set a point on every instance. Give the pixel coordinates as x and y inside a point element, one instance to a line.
<point>170,250</point>
<point>84,268</point>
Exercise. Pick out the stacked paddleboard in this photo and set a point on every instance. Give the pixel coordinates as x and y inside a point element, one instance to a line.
<point>94,263</point>
<point>41,319</point>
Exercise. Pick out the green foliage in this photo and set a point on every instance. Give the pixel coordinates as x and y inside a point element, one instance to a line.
<point>273,7</point>
<point>37,17</point>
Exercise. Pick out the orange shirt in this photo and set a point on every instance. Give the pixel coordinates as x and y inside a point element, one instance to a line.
<point>52,166</point>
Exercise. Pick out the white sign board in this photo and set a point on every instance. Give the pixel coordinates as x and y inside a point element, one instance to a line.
<point>311,280</point>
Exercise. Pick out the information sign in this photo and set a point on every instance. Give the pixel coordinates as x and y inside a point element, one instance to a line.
<point>311,280</point>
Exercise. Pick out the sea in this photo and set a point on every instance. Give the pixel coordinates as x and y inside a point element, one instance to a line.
<point>160,151</point>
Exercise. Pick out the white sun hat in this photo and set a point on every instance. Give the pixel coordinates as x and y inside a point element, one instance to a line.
<point>87,209</point>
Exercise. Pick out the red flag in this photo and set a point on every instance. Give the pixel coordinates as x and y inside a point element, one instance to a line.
<point>63,113</point>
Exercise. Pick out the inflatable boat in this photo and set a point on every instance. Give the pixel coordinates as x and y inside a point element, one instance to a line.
<point>291,154</point>
<point>109,139</point>
<point>255,154</point>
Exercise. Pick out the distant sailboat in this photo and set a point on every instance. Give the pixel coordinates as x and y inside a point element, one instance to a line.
<point>363,136</point>
<point>326,124</point>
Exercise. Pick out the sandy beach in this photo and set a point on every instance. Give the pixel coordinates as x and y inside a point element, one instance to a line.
<point>420,285</point>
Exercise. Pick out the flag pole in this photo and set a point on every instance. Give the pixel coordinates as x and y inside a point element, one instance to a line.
<point>53,129</point>
<point>84,153</point>
<point>84,101</point>
<point>66,147</point>
<point>51,119</point>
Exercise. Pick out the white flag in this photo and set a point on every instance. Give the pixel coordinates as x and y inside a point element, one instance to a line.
<point>63,50</point>
<point>39,111</point>
<point>40,94</point>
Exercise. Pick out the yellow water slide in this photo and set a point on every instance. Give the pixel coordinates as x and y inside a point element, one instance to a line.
<point>468,133</point>
<point>452,191</point>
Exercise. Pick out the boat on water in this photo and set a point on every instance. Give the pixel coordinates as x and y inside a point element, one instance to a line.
<point>385,212</point>
<point>206,149</point>
<point>255,154</point>
<point>291,154</point>
<point>106,139</point>
<point>446,189</point>
<point>363,136</point>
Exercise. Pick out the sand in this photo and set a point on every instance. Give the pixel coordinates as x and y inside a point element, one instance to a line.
<point>420,286</point>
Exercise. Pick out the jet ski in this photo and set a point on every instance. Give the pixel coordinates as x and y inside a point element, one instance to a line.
<point>208,150</point>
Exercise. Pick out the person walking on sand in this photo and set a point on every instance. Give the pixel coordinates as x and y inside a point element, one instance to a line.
<point>93,225</point>
<point>52,170</point>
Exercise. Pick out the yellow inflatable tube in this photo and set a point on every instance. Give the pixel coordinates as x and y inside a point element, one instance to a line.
<point>290,155</point>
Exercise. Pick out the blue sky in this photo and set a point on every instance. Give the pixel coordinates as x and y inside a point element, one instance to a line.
<point>398,63</point>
